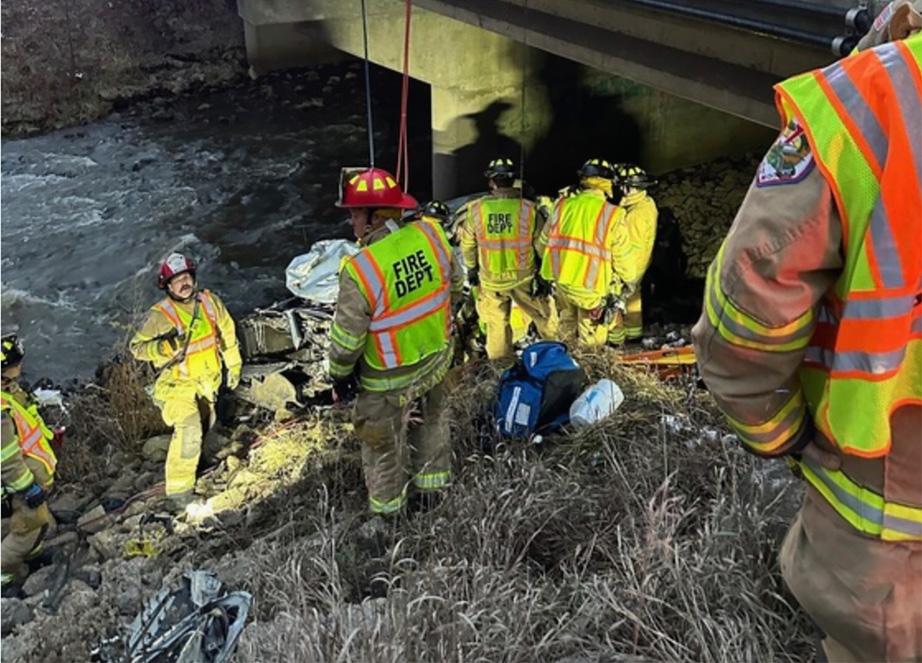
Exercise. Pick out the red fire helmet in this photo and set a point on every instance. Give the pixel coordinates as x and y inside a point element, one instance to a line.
<point>373,187</point>
<point>173,265</point>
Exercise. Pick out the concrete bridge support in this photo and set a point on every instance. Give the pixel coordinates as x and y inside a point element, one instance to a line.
<point>477,78</point>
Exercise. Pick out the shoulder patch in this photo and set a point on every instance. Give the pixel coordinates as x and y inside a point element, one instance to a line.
<point>789,160</point>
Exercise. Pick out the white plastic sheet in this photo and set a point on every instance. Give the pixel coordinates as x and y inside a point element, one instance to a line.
<point>315,275</point>
<point>596,403</point>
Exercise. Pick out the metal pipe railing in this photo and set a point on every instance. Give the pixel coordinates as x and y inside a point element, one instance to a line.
<point>856,20</point>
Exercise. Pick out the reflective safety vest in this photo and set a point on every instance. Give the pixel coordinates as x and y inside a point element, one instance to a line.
<point>406,279</point>
<point>863,118</point>
<point>34,436</point>
<point>578,254</point>
<point>505,229</point>
<point>202,356</point>
<point>862,508</point>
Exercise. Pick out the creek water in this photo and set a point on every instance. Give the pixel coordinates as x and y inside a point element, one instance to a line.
<point>242,179</point>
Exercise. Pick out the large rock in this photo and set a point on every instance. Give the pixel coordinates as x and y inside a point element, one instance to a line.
<point>129,600</point>
<point>94,520</point>
<point>65,503</point>
<point>106,543</point>
<point>62,540</point>
<point>273,392</point>
<point>13,613</point>
<point>155,448</point>
<point>39,580</point>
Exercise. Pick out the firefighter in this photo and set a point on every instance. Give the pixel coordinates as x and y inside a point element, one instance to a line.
<point>585,251</point>
<point>435,210</point>
<point>497,245</point>
<point>811,336</point>
<point>27,469</point>
<point>640,215</point>
<point>391,341</point>
<point>189,336</point>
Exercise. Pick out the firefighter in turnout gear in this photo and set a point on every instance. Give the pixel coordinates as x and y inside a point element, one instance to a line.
<point>391,341</point>
<point>811,336</point>
<point>435,210</point>
<point>497,246</point>
<point>585,251</point>
<point>640,215</point>
<point>27,468</point>
<point>190,338</point>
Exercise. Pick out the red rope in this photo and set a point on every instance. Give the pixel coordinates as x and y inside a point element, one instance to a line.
<point>403,155</point>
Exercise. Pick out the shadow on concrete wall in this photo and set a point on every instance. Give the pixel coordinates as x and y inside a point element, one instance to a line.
<point>491,143</point>
<point>584,124</point>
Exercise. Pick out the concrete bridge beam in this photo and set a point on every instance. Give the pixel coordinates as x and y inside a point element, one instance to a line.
<point>477,76</point>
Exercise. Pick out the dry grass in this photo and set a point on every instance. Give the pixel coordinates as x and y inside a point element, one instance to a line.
<point>111,415</point>
<point>632,540</point>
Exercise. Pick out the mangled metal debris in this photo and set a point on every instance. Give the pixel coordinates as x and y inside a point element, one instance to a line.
<point>195,623</point>
<point>285,347</point>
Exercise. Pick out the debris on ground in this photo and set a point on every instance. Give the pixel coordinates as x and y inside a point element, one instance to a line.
<point>196,623</point>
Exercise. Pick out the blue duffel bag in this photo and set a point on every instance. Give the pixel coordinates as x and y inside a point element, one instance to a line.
<point>536,393</point>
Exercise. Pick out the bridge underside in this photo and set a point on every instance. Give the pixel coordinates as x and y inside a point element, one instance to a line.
<point>690,90</point>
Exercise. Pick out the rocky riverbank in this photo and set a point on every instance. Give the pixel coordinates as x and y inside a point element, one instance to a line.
<point>621,540</point>
<point>66,62</point>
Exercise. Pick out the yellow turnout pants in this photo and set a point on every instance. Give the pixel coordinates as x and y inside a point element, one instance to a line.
<point>495,309</point>
<point>629,326</point>
<point>576,325</point>
<point>27,529</point>
<point>190,412</point>
<point>633,316</point>
<point>395,453</point>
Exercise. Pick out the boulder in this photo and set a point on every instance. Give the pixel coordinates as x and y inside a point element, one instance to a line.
<point>273,392</point>
<point>129,600</point>
<point>65,503</point>
<point>62,540</point>
<point>145,480</point>
<point>39,580</point>
<point>94,520</point>
<point>106,543</point>
<point>155,448</point>
<point>13,613</point>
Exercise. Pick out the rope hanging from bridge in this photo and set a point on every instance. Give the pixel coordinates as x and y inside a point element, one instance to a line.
<point>403,154</point>
<point>371,130</point>
<point>522,109</point>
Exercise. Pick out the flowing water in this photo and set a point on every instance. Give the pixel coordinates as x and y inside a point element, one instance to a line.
<point>242,179</point>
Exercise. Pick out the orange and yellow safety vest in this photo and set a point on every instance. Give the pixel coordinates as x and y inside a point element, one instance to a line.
<point>505,234</point>
<point>33,437</point>
<point>578,255</point>
<point>863,118</point>
<point>202,355</point>
<point>406,279</point>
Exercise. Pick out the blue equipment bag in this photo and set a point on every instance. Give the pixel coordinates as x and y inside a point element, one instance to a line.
<point>536,393</point>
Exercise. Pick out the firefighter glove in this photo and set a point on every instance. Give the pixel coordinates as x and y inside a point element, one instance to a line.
<point>34,496</point>
<point>473,276</point>
<point>170,341</point>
